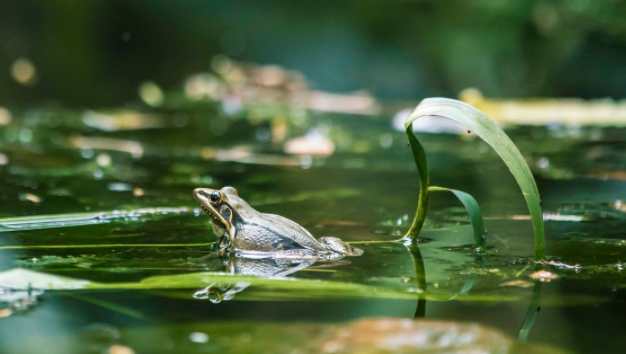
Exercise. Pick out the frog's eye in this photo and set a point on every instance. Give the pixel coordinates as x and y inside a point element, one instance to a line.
<point>216,198</point>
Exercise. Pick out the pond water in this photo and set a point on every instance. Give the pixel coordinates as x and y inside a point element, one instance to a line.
<point>120,259</point>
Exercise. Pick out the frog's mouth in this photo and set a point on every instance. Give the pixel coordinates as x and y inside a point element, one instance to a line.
<point>202,195</point>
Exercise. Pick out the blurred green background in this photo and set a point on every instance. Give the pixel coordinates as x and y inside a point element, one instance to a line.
<point>96,53</point>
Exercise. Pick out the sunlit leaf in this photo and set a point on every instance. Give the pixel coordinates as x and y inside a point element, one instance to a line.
<point>486,129</point>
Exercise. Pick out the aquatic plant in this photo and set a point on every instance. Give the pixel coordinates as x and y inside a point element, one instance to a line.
<point>486,129</point>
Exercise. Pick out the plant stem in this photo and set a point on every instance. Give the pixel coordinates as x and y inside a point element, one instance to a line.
<point>419,156</point>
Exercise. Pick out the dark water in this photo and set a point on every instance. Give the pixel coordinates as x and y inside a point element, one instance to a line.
<point>145,265</point>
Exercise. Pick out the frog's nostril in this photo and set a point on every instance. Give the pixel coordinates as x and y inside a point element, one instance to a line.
<point>200,192</point>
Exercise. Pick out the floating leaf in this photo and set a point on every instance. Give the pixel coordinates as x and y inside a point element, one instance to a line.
<point>38,222</point>
<point>269,288</point>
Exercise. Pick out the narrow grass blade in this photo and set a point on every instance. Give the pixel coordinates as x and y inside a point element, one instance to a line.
<point>471,205</point>
<point>486,129</point>
<point>38,222</point>
<point>108,245</point>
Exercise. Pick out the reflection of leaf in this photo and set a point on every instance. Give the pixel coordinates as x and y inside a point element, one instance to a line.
<point>487,130</point>
<point>531,313</point>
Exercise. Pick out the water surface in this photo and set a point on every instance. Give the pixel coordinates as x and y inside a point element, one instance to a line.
<point>141,251</point>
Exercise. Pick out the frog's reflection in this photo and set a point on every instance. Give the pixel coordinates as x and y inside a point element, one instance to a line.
<point>266,268</point>
<point>218,292</point>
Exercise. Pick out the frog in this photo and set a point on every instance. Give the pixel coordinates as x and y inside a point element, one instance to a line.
<point>248,233</point>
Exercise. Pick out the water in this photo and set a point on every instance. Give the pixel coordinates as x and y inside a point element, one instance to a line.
<point>129,266</point>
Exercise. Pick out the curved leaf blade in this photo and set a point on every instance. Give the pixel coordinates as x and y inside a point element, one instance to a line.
<point>473,209</point>
<point>486,129</point>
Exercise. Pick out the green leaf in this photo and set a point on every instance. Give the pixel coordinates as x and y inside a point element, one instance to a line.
<point>486,129</point>
<point>269,288</point>
<point>39,222</point>
<point>471,205</point>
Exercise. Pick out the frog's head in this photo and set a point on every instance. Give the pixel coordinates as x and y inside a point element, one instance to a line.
<point>224,206</point>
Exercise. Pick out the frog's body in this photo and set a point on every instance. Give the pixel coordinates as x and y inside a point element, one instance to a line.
<point>244,230</point>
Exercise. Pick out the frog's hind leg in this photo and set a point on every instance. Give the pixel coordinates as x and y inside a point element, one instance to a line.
<point>337,245</point>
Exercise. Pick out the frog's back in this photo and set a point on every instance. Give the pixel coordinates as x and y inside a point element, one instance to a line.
<point>273,233</point>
